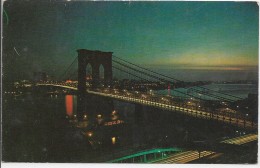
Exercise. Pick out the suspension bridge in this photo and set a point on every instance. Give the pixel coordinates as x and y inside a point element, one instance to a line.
<point>198,101</point>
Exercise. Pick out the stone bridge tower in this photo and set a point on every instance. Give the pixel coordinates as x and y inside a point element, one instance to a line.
<point>95,59</point>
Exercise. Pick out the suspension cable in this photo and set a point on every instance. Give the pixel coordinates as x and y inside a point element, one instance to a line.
<point>186,94</point>
<point>174,78</point>
<point>61,76</point>
<point>161,79</point>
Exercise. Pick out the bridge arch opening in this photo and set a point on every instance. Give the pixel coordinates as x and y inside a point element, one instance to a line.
<point>88,72</point>
<point>101,72</point>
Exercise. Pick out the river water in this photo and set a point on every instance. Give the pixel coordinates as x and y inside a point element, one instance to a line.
<point>42,128</point>
<point>238,90</point>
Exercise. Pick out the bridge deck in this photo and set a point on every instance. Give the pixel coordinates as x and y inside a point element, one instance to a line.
<point>170,107</point>
<point>191,112</point>
<point>184,157</point>
<point>241,140</point>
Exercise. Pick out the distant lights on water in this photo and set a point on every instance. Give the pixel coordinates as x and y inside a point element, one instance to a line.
<point>89,134</point>
<point>113,140</point>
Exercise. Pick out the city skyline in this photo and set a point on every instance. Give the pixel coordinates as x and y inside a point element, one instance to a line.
<point>44,36</point>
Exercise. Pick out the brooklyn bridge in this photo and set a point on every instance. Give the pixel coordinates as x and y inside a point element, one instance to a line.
<point>197,102</point>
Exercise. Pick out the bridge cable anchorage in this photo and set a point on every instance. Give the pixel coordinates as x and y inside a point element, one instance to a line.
<point>174,78</point>
<point>69,67</point>
<point>164,80</point>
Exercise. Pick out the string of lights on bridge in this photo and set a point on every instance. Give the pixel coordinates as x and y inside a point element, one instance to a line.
<point>145,75</point>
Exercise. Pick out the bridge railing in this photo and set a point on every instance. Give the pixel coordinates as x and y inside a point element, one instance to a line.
<point>190,107</point>
<point>197,111</point>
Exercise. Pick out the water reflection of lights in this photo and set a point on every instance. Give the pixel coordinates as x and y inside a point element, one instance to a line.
<point>113,122</point>
<point>69,105</point>
<point>113,140</point>
<point>90,134</point>
<point>81,124</point>
<point>114,117</point>
<point>99,119</point>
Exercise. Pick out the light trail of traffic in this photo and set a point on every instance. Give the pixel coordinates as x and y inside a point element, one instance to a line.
<point>188,111</point>
<point>185,157</point>
<point>241,140</point>
<point>192,112</point>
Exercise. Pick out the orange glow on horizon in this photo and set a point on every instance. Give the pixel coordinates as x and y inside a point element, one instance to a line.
<point>209,60</point>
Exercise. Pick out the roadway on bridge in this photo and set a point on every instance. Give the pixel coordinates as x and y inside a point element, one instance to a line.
<point>192,112</point>
<point>184,157</point>
<point>167,106</point>
<point>241,140</point>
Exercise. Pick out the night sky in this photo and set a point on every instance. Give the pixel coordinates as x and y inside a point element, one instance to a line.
<point>44,36</point>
